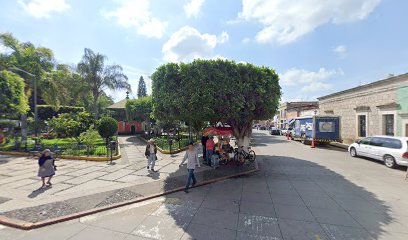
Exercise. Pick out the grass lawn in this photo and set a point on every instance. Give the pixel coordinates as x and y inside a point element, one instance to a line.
<point>69,146</point>
<point>162,142</point>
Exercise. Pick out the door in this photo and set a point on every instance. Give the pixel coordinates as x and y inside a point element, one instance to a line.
<point>376,148</point>
<point>406,130</point>
<point>133,129</point>
<point>364,147</point>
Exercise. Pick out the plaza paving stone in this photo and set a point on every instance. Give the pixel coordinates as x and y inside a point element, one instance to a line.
<point>84,185</point>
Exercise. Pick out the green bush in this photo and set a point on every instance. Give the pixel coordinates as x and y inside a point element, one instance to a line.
<point>88,139</point>
<point>107,127</point>
<point>71,124</point>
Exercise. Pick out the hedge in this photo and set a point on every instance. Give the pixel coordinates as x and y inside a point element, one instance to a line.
<point>46,112</point>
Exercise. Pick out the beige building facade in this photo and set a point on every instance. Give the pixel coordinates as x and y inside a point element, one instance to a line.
<point>377,108</point>
<point>288,111</point>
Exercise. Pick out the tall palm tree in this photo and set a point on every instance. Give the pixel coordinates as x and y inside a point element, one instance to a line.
<point>99,76</point>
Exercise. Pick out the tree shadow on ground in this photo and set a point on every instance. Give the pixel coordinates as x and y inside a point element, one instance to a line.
<point>288,198</point>
<point>135,140</point>
<point>6,158</point>
<point>4,161</point>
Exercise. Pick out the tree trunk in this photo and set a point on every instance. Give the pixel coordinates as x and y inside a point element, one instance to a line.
<point>95,106</point>
<point>243,135</point>
<point>23,127</point>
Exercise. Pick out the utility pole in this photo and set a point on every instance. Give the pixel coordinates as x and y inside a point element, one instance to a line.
<point>35,97</point>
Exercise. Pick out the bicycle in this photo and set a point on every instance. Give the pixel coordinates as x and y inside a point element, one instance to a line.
<point>240,155</point>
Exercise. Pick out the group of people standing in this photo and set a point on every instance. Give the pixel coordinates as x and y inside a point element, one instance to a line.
<point>211,149</point>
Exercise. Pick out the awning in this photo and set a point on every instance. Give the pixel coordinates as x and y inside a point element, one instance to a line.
<point>290,121</point>
<point>218,131</point>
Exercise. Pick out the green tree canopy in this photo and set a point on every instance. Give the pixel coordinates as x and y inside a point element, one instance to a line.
<point>98,76</point>
<point>216,91</point>
<point>141,89</point>
<point>139,109</point>
<point>12,96</point>
<point>29,58</point>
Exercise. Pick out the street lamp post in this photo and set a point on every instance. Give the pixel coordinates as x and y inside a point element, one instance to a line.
<point>35,96</point>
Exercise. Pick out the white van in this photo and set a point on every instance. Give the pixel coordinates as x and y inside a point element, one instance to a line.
<point>392,151</point>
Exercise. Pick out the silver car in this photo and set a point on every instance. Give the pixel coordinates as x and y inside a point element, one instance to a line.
<point>392,151</point>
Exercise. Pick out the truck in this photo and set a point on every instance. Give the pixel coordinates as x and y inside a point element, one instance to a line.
<point>320,129</point>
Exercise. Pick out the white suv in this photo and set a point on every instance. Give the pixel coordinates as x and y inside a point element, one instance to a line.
<point>392,150</point>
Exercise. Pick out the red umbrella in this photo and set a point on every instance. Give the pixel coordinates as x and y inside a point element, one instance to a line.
<point>218,131</point>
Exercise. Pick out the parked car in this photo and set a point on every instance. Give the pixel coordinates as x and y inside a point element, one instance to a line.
<point>392,151</point>
<point>285,131</point>
<point>256,126</point>
<point>262,127</point>
<point>275,131</point>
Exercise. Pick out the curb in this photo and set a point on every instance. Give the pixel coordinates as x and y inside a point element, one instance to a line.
<point>23,225</point>
<point>173,151</point>
<point>339,145</point>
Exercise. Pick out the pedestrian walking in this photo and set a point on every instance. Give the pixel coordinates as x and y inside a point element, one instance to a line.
<point>151,154</point>
<point>210,149</point>
<point>192,160</point>
<point>46,168</point>
<point>204,140</point>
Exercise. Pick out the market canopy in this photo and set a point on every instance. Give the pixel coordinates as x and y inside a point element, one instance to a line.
<point>218,131</point>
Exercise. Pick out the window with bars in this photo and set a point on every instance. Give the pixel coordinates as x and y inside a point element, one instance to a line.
<point>388,124</point>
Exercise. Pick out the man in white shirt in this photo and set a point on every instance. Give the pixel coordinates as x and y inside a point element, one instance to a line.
<point>151,154</point>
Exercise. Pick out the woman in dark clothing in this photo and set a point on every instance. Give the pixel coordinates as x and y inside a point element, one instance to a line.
<point>47,168</point>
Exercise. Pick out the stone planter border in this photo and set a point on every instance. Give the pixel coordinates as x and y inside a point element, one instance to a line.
<point>66,156</point>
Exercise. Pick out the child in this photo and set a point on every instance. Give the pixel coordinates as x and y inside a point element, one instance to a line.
<point>192,160</point>
<point>151,154</point>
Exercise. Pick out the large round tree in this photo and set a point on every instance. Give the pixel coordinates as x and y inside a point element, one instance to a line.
<point>216,91</point>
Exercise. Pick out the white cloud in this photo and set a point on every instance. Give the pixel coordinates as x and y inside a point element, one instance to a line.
<point>137,14</point>
<point>44,8</point>
<point>285,21</point>
<point>308,81</point>
<point>341,50</point>
<point>223,38</point>
<point>188,43</point>
<point>246,40</point>
<point>219,57</point>
<point>193,7</point>
<point>316,86</point>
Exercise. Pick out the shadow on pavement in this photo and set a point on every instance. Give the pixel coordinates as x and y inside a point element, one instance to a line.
<point>37,192</point>
<point>288,198</point>
<point>3,161</point>
<point>135,140</point>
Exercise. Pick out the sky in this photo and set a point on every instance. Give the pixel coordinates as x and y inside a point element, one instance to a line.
<point>316,46</point>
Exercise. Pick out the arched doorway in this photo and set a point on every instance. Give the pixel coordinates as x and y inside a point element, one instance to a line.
<point>133,129</point>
